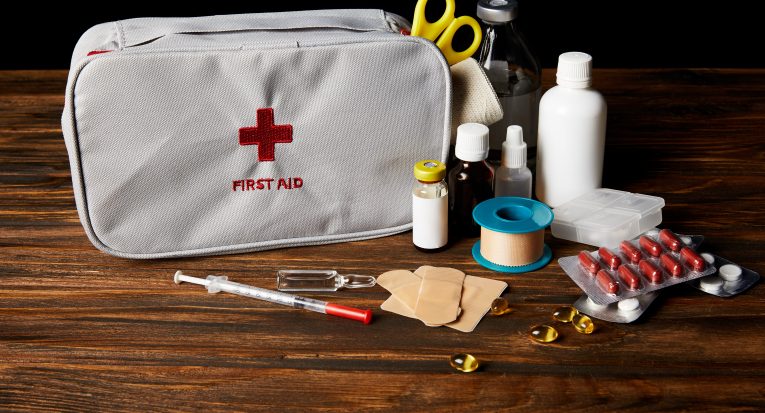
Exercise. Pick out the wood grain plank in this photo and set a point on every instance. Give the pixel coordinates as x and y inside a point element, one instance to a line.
<point>82,331</point>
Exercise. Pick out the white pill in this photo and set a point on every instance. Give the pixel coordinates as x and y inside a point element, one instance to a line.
<point>730,272</point>
<point>709,258</point>
<point>630,304</point>
<point>686,240</point>
<point>711,283</point>
<point>593,304</point>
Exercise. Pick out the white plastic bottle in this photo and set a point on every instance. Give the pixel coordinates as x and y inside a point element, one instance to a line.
<point>571,134</point>
<point>513,178</point>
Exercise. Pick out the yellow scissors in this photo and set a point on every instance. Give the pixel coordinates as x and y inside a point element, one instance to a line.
<point>446,27</point>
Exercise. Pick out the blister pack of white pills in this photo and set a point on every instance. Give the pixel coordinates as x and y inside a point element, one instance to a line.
<point>655,260</point>
<point>728,280</point>
<point>624,311</point>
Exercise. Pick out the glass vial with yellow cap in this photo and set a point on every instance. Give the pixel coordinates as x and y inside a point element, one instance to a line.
<point>430,206</point>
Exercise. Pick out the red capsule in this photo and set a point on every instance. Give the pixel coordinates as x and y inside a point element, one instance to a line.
<point>588,262</point>
<point>606,283</point>
<point>650,246</point>
<point>693,259</point>
<point>671,265</point>
<point>611,259</point>
<point>633,253</point>
<point>650,271</point>
<point>670,240</point>
<point>629,278</point>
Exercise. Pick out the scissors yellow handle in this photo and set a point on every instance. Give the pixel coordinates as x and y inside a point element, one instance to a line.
<point>423,28</point>
<point>445,42</point>
<point>445,27</point>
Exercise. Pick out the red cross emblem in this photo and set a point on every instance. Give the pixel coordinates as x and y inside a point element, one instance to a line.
<point>265,134</point>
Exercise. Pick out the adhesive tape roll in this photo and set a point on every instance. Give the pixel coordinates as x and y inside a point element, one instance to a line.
<point>512,234</point>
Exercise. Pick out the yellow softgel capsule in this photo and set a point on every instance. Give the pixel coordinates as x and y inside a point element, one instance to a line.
<point>543,333</point>
<point>500,306</point>
<point>583,324</point>
<point>565,314</point>
<point>464,362</point>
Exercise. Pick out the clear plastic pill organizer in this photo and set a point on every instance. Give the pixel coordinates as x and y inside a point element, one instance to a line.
<point>603,217</point>
<point>655,260</point>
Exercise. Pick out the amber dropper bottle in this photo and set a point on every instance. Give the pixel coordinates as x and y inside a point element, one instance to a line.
<point>471,181</point>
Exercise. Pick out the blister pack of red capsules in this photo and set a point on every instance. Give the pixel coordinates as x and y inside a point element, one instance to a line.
<point>655,260</point>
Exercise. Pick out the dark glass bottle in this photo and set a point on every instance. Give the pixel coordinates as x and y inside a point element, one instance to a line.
<point>513,69</point>
<point>471,181</point>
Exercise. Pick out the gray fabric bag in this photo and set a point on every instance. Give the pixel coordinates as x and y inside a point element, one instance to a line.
<point>222,134</point>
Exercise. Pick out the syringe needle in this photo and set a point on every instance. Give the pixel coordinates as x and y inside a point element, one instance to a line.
<point>216,284</point>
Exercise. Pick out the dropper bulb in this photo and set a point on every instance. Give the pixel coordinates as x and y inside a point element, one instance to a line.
<point>514,135</point>
<point>513,148</point>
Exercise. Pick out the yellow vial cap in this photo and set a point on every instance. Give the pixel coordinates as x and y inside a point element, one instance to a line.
<point>429,170</point>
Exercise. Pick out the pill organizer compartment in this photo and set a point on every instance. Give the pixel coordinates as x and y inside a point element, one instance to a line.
<point>605,217</point>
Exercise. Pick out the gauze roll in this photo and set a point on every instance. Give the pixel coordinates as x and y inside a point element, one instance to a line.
<point>473,96</point>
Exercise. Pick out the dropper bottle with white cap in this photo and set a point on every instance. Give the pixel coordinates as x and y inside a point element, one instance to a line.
<point>513,178</point>
<point>471,181</point>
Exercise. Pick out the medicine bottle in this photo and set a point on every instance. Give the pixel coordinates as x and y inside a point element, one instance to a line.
<point>430,206</point>
<point>572,133</point>
<point>471,180</point>
<point>513,178</point>
<point>513,70</point>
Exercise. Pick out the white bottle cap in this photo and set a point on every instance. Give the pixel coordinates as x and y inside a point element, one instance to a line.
<point>575,70</point>
<point>514,148</point>
<point>472,142</point>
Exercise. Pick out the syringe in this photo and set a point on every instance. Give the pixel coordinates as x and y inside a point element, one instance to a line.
<point>218,283</point>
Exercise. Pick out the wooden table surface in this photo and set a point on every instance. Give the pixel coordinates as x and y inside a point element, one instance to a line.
<point>81,330</point>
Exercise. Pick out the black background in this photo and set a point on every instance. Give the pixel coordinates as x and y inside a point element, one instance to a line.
<point>617,33</point>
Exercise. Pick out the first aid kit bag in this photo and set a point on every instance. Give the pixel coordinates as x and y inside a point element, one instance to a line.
<point>223,134</point>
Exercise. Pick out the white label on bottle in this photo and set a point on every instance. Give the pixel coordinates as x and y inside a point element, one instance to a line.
<point>430,224</point>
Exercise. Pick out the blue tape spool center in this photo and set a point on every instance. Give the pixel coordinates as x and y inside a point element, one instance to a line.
<point>514,213</point>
